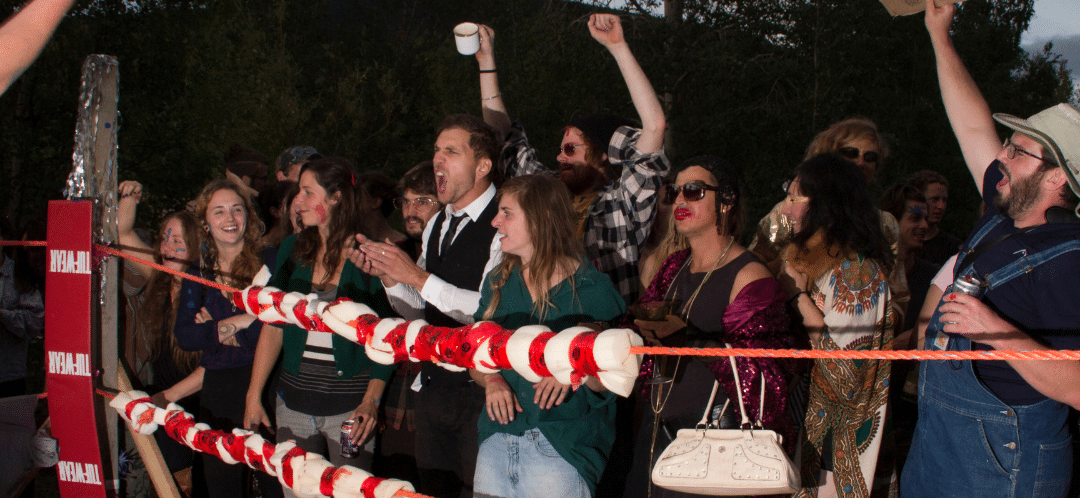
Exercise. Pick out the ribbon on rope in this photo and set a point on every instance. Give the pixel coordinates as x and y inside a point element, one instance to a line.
<point>533,351</point>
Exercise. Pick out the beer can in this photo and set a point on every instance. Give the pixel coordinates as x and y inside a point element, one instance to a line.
<point>348,449</point>
<point>970,285</point>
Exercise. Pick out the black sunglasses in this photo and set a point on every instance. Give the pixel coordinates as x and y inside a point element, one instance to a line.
<point>570,148</point>
<point>870,156</point>
<point>693,191</point>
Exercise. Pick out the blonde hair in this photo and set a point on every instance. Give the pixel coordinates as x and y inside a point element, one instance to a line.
<point>846,131</point>
<point>545,203</point>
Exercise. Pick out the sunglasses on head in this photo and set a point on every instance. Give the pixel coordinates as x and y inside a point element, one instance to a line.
<point>570,148</point>
<point>693,191</point>
<point>870,156</point>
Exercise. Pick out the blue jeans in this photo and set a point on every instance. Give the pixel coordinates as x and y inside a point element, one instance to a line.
<point>523,466</point>
<point>320,435</point>
<point>968,443</point>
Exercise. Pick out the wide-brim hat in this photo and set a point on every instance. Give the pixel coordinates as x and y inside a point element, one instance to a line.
<point>1057,129</point>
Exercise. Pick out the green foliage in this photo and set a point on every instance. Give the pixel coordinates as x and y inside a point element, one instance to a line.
<point>750,80</point>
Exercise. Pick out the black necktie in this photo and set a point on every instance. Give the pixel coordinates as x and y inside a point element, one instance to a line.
<point>449,237</point>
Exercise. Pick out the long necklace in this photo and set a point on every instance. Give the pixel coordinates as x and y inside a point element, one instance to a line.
<point>658,405</point>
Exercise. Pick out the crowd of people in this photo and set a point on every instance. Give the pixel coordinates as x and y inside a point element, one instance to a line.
<point>613,236</point>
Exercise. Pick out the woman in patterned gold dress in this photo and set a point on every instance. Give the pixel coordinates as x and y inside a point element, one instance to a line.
<point>834,272</point>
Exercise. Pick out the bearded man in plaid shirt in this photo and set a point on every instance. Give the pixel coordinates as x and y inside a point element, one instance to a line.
<point>612,169</point>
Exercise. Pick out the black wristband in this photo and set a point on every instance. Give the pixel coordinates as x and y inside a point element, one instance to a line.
<point>487,71</point>
<point>796,297</point>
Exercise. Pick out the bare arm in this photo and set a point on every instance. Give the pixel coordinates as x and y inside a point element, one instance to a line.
<point>186,387</point>
<point>968,112</point>
<point>933,297</point>
<point>130,193</point>
<point>1055,379</point>
<point>607,30</point>
<point>24,35</point>
<point>491,102</point>
<point>266,354</point>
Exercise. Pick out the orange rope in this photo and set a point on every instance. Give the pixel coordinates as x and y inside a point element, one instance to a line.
<point>208,283</point>
<point>864,355</point>
<point>22,243</point>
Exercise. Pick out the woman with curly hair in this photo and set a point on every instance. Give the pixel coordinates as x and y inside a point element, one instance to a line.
<point>208,321</point>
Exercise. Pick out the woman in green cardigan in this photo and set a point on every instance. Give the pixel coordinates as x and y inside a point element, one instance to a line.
<point>543,439</point>
<point>324,378</point>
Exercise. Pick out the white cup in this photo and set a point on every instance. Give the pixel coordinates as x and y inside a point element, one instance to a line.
<point>467,37</point>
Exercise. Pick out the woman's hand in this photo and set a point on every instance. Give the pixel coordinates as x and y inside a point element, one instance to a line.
<point>255,415</point>
<point>653,330</point>
<point>549,393</point>
<point>366,416</point>
<point>228,328</point>
<point>501,402</point>
<point>203,316</point>
<point>791,280</point>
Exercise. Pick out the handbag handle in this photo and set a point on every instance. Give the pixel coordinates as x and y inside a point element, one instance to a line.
<point>738,390</point>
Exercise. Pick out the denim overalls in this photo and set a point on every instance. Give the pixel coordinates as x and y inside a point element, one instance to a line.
<point>968,442</point>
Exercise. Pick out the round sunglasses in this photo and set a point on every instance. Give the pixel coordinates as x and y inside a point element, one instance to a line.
<point>570,148</point>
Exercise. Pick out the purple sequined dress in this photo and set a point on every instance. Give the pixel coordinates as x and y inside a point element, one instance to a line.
<point>756,318</point>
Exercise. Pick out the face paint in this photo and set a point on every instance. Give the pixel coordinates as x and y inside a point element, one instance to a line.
<point>180,249</point>
<point>168,233</point>
<point>916,210</point>
<point>321,212</point>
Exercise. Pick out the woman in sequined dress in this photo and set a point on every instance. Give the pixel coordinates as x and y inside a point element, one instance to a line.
<point>723,295</point>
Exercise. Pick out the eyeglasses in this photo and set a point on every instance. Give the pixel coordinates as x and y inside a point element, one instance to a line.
<point>693,191</point>
<point>422,203</point>
<point>1011,149</point>
<point>870,156</point>
<point>569,148</point>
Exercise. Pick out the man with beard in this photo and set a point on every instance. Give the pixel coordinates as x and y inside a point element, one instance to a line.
<point>1000,427</point>
<point>939,245</point>
<point>418,204</point>
<point>615,210</point>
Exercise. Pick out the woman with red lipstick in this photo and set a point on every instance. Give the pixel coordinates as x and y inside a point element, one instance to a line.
<point>724,295</point>
<point>834,274</point>
<point>324,378</point>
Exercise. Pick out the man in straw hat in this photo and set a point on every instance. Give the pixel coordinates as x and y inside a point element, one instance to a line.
<point>998,428</point>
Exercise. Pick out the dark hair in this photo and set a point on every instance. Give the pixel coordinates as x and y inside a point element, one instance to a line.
<point>924,178</point>
<point>239,153</point>
<point>280,197</point>
<point>379,186</point>
<point>894,200</point>
<point>419,179</point>
<point>335,175</point>
<point>483,140</point>
<point>156,317</point>
<point>841,207</point>
<point>730,193</point>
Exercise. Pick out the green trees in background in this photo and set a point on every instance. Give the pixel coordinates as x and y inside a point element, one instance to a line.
<point>752,81</point>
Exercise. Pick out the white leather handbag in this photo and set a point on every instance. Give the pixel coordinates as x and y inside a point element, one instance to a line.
<point>727,462</point>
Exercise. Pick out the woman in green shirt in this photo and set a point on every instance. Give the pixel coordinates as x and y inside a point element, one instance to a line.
<point>543,438</point>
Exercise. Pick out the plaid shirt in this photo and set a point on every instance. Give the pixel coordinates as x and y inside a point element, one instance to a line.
<point>621,216</point>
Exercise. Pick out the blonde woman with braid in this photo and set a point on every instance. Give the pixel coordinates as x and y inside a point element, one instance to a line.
<point>559,439</point>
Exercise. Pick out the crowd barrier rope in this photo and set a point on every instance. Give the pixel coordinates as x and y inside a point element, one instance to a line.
<point>751,353</point>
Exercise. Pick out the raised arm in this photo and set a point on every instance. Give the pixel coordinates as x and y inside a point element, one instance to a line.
<point>607,29</point>
<point>491,102</point>
<point>24,35</point>
<point>130,193</point>
<point>968,111</point>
